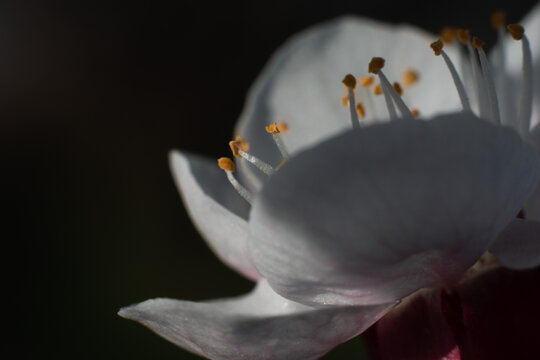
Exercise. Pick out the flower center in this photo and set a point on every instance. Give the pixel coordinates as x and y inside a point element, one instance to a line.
<point>482,87</point>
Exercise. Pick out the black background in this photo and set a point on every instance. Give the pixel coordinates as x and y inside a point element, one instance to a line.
<point>93,95</point>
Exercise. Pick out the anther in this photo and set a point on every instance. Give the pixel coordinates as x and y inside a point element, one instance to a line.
<point>366,81</point>
<point>448,34</point>
<point>282,126</point>
<point>237,145</point>
<point>227,165</point>
<point>350,83</point>
<point>361,110</point>
<point>376,64</point>
<point>409,78</point>
<point>398,88</point>
<point>477,43</point>
<point>377,90</point>
<point>240,148</point>
<point>415,112</point>
<point>437,47</point>
<point>516,31</point>
<point>464,36</point>
<point>498,19</point>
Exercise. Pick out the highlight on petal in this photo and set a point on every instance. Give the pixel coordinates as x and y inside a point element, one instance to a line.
<point>216,209</point>
<point>518,246</point>
<point>301,84</point>
<point>260,325</point>
<point>372,215</point>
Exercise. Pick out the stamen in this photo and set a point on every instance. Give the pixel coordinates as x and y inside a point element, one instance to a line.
<point>498,19</point>
<point>361,110</point>
<point>240,148</point>
<point>397,88</point>
<point>366,82</point>
<point>350,83</point>
<point>276,130</point>
<point>377,90</point>
<point>464,37</point>
<point>525,102</point>
<point>227,165</point>
<point>486,70</point>
<point>448,34</point>
<point>375,66</point>
<point>437,47</point>
<point>498,22</point>
<point>409,78</point>
<point>415,112</point>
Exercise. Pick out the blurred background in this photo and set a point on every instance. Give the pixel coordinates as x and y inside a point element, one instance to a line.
<point>93,95</point>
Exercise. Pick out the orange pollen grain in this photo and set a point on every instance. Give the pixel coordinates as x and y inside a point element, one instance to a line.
<point>448,34</point>
<point>272,129</point>
<point>366,81</point>
<point>282,126</point>
<point>398,88</point>
<point>477,43</point>
<point>464,35</point>
<point>226,164</point>
<point>516,31</point>
<point>361,110</point>
<point>415,112</point>
<point>437,47</point>
<point>345,100</point>
<point>498,19</point>
<point>377,90</point>
<point>409,78</point>
<point>349,81</point>
<point>238,144</point>
<point>376,64</point>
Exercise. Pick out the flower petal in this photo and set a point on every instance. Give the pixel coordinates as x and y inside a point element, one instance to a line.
<point>372,215</point>
<point>532,207</point>
<point>302,82</point>
<point>216,209</point>
<point>518,246</point>
<point>260,325</point>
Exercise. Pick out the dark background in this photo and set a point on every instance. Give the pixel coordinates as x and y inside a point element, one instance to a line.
<point>93,95</point>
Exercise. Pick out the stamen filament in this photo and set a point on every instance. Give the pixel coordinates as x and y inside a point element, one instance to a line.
<point>280,146</point>
<point>404,109</point>
<point>350,83</point>
<point>259,164</point>
<point>241,190</point>
<point>463,97</point>
<point>492,95</point>
<point>525,102</point>
<point>389,103</point>
<point>480,87</point>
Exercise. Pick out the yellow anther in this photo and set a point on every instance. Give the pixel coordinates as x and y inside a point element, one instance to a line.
<point>377,90</point>
<point>226,164</point>
<point>437,47</point>
<point>366,81</point>
<point>376,64</point>
<point>398,88</point>
<point>516,31</point>
<point>360,110</point>
<point>477,43</point>
<point>415,112</point>
<point>282,126</point>
<point>498,19</point>
<point>349,81</point>
<point>272,129</point>
<point>409,78</point>
<point>448,34</point>
<point>238,144</point>
<point>464,35</point>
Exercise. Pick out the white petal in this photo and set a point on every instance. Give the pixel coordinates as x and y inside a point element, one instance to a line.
<point>302,82</point>
<point>518,246</point>
<point>372,215</point>
<point>260,325</point>
<point>531,24</point>
<point>532,207</point>
<point>216,209</point>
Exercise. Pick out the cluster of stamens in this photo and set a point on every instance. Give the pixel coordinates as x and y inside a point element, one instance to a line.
<point>483,89</point>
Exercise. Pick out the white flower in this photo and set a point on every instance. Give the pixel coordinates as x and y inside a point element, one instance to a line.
<point>356,219</point>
